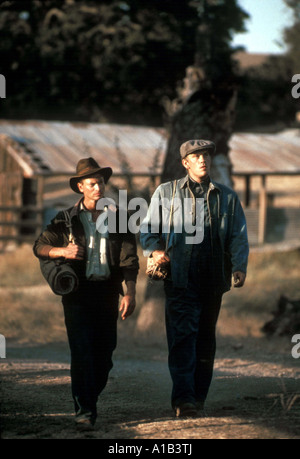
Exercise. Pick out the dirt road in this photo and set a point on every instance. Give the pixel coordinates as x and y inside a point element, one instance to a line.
<point>254,394</point>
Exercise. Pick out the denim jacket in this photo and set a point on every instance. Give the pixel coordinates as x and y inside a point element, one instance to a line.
<point>228,232</point>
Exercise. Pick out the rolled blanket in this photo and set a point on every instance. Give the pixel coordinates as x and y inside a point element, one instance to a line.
<point>60,276</point>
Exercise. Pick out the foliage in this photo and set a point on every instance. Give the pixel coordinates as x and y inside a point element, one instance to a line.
<point>265,96</point>
<point>292,35</point>
<point>265,91</point>
<point>109,60</point>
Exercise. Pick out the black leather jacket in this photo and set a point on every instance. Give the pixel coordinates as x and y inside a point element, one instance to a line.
<point>122,248</point>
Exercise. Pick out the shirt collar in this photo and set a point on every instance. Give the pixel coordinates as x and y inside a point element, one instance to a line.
<point>204,182</point>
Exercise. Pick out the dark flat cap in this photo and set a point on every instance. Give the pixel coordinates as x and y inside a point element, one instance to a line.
<point>191,146</point>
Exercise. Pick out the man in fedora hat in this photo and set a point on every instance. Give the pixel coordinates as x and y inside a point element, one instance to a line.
<point>201,270</point>
<point>101,261</point>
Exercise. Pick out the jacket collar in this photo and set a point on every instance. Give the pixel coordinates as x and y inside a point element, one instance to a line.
<point>76,208</point>
<point>183,182</point>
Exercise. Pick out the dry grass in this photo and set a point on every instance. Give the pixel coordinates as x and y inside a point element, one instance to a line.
<point>270,275</point>
<point>30,312</point>
<point>19,268</point>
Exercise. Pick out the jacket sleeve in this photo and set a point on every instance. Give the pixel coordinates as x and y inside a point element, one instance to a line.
<point>150,230</point>
<point>238,244</point>
<point>52,236</point>
<point>129,262</point>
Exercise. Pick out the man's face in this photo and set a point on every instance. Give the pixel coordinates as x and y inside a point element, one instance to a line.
<point>198,165</point>
<point>93,188</point>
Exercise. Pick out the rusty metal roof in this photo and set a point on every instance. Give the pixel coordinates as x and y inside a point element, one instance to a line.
<point>263,154</point>
<point>55,148</point>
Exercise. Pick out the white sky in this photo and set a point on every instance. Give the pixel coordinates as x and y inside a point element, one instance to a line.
<point>267,20</point>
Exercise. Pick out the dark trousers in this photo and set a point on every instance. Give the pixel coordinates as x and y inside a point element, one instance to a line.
<point>191,318</point>
<point>91,322</point>
<point>190,325</point>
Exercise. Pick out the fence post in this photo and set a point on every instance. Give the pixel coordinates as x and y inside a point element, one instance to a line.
<point>2,347</point>
<point>262,214</point>
<point>35,223</point>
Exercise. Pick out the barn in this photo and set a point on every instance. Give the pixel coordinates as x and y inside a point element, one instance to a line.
<point>37,158</point>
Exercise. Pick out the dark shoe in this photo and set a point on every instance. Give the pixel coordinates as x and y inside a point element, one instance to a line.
<point>185,410</point>
<point>85,422</point>
<point>200,409</point>
<point>200,405</point>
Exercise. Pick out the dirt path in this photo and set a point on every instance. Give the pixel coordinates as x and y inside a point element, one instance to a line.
<point>248,399</point>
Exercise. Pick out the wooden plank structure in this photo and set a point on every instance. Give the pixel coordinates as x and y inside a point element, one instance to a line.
<point>20,205</point>
<point>264,155</point>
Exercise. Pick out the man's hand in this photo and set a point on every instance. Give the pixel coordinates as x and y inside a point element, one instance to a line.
<point>239,278</point>
<point>71,252</point>
<point>160,257</point>
<point>127,305</point>
<point>74,252</point>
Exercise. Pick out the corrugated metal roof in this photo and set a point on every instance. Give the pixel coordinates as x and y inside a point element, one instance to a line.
<point>266,153</point>
<point>56,147</point>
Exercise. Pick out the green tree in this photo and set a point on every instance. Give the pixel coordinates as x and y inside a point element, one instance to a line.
<point>291,35</point>
<point>265,100</point>
<point>100,60</point>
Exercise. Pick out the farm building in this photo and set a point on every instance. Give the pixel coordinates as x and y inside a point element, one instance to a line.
<point>37,158</point>
<point>266,171</point>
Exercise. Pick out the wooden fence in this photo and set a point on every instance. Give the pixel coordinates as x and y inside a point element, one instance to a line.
<point>20,223</point>
<point>24,224</point>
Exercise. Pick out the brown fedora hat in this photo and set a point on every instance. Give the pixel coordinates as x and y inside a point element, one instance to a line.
<point>87,167</point>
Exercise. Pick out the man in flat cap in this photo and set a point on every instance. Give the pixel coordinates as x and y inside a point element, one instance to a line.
<point>100,261</point>
<point>201,268</point>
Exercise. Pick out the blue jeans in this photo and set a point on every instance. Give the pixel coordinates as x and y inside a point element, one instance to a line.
<point>191,318</point>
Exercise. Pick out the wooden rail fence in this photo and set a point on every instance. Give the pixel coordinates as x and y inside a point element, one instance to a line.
<point>20,223</point>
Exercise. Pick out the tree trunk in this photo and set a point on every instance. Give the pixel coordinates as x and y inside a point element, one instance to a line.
<point>201,113</point>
